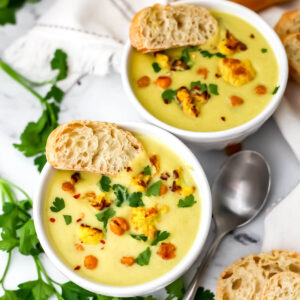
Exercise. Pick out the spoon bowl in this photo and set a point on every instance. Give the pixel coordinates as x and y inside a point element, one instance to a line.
<point>239,193</point>
<point>240,190</point>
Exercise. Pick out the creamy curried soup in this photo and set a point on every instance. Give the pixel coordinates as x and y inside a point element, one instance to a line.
<point>213,87</point>
<point>127,229</point>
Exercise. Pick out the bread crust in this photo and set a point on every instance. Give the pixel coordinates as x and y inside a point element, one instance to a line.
<point>63,153</point>
<point>139,41</point>
<point>285,23</point>
<point>265,265</point>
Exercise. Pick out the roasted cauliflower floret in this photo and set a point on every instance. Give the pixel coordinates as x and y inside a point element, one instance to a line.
<point>236,72</point>
<point>141,181</point>
<point>231,44</point>
<point>178,185</point>
<point>100,202</point>
<point>187,102</point>
<point>155,162</point>
<point>143,220</point>
<point>163,60</point>
<point>90,235</point>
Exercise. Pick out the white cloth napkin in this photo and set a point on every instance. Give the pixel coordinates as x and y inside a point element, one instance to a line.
<point>91,32</point>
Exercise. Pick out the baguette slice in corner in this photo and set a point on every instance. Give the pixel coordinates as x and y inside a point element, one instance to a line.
<point>292,47</point>
<point>162,27</point>
<point>282,286</point>
<point>288,23</point>
<point>95,147</point>
<point>246,278</point>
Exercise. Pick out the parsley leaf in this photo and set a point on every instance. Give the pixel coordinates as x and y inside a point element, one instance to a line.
<point>206,53</point>
<point>40,290</point>
<point>154,189</point>
<point>275,90</point>
<point>71,291</point>
<point>56,93</point>
<point>195,83</point>
<point>59,62</point>
<point>156,67</point>
<point>9,243</point>
<point>105,215</point>
<point>169,95</point>
<point>58,204</point>
<point>203,294</point>
<point>40,162</point>
<point>121,193</point>
<point>68,219</point>
<point>160,236</point>
<point>147,170</point>
<point>29,243</point>
<point>175,289</point>
<point>213,89</point>
<point>185,55</point>
<point>104,183</point>
<point>7,16</point>
<point>188,201</point>
<point>144,257</point>
<point>139,237</point>
<point>135,199</point>
<point>264,50</point>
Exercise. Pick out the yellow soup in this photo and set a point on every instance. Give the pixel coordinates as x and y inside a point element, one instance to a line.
<point>215,87</point>
<point>127,229</point>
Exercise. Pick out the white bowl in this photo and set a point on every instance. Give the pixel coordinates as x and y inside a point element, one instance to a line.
<point>146,288</point>
<point>220,139</point>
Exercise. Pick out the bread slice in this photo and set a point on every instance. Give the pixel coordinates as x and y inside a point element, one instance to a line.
<point>288,23</point>
<point>282,286</point>
<point>91,146</point>
<point>246,278</point>
<point>292,47</point>
<point>162,27</point>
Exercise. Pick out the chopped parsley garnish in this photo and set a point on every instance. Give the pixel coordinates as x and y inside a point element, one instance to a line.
<point>203,294</point>
<point>185,55</point>
<point>176,290</point>
<point>188,201</point>
<point>58,204</point>
<point>68,219</point>
<point>121,193</point>
<point>139,237</point>
<point>144,257</point>
<point>160,236</point>
<point>206,53</point>
<point>135,199</point>
<point>264,50</point>
<point>213,89</point>
<point>154,189</point>
<point>156,67</point>
<point>275,90</point>
<point>105,215</point>
<point>169,95</point>
<point>147,170</point>
<point>195,83</point>
<point>104,183</point>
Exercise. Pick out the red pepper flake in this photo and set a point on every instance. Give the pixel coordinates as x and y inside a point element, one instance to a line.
<point>76,196</point>
<point>218,75</point>
<point>233,148</point>
<point>77,268</point>
<point>128,169</point>
<point>252,36</point>
<point>223,119</point>
<point>166,101</point>
<point>102,242</point>
<point>78,220</point>
<point>52,220</point>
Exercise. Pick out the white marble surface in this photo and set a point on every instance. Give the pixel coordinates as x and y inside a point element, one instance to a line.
<point>103,99</point>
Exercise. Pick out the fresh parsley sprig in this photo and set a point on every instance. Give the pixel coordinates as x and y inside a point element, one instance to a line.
<point>34,137</point>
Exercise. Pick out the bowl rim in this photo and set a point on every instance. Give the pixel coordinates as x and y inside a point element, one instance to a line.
<point>145,288</point>
<point>216,136</point>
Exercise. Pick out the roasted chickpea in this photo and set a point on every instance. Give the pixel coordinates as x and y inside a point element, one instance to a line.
<point>143,81</point>
<point>90,262</point>
<point>163,82</point>
<point>127,261</point>
<point>118,225</point>
<point>163,189</point>
<point>260,89</point>
<point>68,187</point>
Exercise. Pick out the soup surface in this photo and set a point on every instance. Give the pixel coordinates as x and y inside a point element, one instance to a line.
<point>218,86</point>
<point>127,229</point>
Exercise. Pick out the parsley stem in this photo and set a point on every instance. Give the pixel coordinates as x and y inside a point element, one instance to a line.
<point>20,79</point>
<point>6,182</point>
<point>5,270</point>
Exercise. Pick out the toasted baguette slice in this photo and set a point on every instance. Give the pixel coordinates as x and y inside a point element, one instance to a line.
<point>292,46</point>
<point>162,27</point>
<point>282,286</point>
<point>245,279</point>
<point>91,146</point>
<point>288,23</point>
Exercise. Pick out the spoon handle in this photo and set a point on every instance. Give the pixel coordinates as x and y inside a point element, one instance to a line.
<point>193,286</point>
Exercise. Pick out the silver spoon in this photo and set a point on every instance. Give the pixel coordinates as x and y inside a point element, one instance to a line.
<point>239,193</point>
